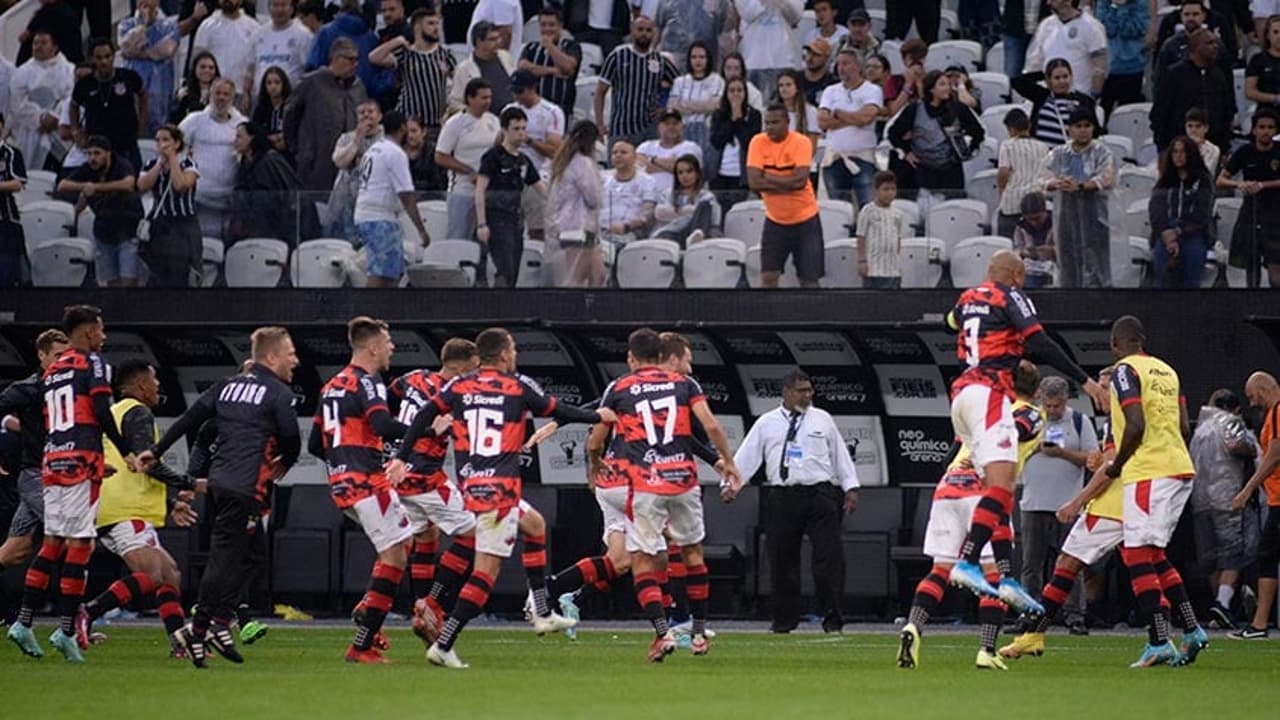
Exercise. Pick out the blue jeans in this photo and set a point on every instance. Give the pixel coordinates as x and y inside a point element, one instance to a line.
<point>1189,264</point>
<point>115,261</point>
<point>1037,280</point>
<point>1015,54</point>
<point>840,181</point>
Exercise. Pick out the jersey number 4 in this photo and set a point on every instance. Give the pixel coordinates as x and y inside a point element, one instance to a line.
<point>971,328</point>
<point>60,408</point>
<point>484,428</point>
<point>332,423</point>
<point>646,409</point>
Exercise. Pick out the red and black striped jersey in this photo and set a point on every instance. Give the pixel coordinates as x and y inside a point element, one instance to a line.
<point>490,409</point>
<point>73,440</point>
<point>352,449</point>
<point>414,390</point>
<point>655,409</point>
<point>994,321</point>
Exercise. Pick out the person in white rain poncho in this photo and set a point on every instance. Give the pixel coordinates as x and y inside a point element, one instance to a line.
<point>37,86</point>
<point>1080,174</point>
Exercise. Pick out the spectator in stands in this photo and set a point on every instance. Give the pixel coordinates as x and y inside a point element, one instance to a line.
<point>697,93</point>
<point>803,114</point>
<point>817,75</point>
<point>421,148</point>
<point>59,20</point>
<point>463,141</point>
<point>1020,18</point>
<point>1018,168</point>
<point>980,21</point>
<point>603,22</point>
<point>1222,451</point>
<point>1052,105</point>
<point>573,208</point>
<point>268,110</point>
<point>878,73</point>
<point>911,82</point>
<point>69,141</point>
<point>1079,38</point>
<point>506,174</point>
<point>686,211</point>
<point>1181,215</point>
<point>847,113</point>
<point>488,62</point>
<point>1176,47</point>
<point>13,176</point>
<point>1256,237</point>
<point>1126,23</point>
<point>733,125</point>
<point>211,135</point>
<point>778,162</point>
<point>1196,82</point>
<point>658,157</point>
<point>636,74</point>
<point>6,77</point>
<point>38,85</point>
<point>630,197</point>
<point>1035,241</point>
<point>1264,396</point>
<point>1197,128</point>
<point>681,23</point>
<point>544,131</point>
<point>733,66</point>
<point>114,102</point>
<point>899,14</point>
<point>506,17</point>
<point>175,250</point>
<point>1050,479</point>
<point>859,38</point>
<point>282,42</point>
<point>386,191</point>
<point>348,153</point>
<point>879,234</point>
<point>192,13</point>
<point>827,28</point>
<point>194,94</point>
<point>266,199</point>
<point>230,34</point>
<point>936,135</point>
<point>107,185</point>
<point>148,40</point>
<point>321,108</point>
<point>963,88</point>
<point>350,24</point>
<point>455,16</point>
<point>1081,173</point>
<point>423,68</point>
<point>769,43</point>
<point>310,14</point>
<point>555,58</point>
<point>394,21</point>
<point>1262,75</point>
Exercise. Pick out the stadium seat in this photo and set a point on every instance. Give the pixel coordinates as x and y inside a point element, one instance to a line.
<point>982,186</point>
<point>714,263</point>
<point>787,279</point>
<point>84,223</point>
<point>1136,220</point>
<point>46,220</point>
<point>146,151</point>
<point>946,53</point>
<point>435,215</point>
<point>652,263</point>
<point>994,86</point>
<point>256,262</point>
<point>955,220</point>
<point>1129,255</point>
<point>745,221</point>
<point>321,263</point>
<point>1147,153</point>
<point>584,100</point>
<point>213,251</point>
<point>1213,267</point>
<point>459,51</point>
<point>983,159</point>
<point>841,267</point>
<point>1226,211</point>
<point>530,272</point>
<point>993,120</point>
<point>836,217</point>
<point>949,23</point>
<point>878,21</point>
<point>592,58</point>
<point>995,58</point>
<point>892,49</point>
<point>1132,121</point>
<point>921,262</point>
<point>60,262</point>
<point>1134,183</point>
<point>970,257</point>
<point>910,216</point>
<point>39,185</point>
<point>462,254</point>
<point>1121,147</point>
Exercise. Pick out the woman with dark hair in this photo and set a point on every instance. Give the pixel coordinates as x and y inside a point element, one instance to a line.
<point>1181,214</point>
<point>1052,105</point>
<point>268,111</point>
<point>174,252</point>
<point>265,201</point>
<point>732,127</point>
<point>733,66</point>
<point>935,135</point>
<point>697,93</point>
<point>573,206</point>
<point>427,175</point>
<point>687,212</point>
<point>194,94</point>
<point>803,115</point>
<point>878,72</point>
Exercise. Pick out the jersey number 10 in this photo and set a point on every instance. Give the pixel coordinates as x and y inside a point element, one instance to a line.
<point>60,408</point>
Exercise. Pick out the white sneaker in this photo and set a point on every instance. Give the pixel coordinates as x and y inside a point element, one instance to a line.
<point>686,628</point>
<point>444,658</point>
<point>553,623</point>
<point>694,238</point>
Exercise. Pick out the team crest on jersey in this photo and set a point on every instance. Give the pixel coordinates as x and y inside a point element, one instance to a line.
<point>119,88</point>
<point>1005,444</point>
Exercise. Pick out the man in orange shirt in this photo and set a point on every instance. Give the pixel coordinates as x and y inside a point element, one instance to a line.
<point>1264,394</point>
<point>778,163</point>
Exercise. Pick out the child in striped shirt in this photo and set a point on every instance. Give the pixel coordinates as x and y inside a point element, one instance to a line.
<point>879,235</point>
<point>1019,165</point>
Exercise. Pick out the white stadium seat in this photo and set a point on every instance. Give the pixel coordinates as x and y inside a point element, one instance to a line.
<point>1226,211</point>
<point>993,120</point>
<point>995,58</point>
<point>454,254</point>
<point>321,263</point>
<point>946,53</point>
<point>836,217</point>
<point>993,84</point>
<point>714,263</point>
<point>583,101</point>
<point>970,258</point>
<point>46,220</point>
<point>985,158</point>
<point>256,262</point>
<point>955,220</point>
<point>1125,273</point>
<point>592,58</point>
<point>910,216</point>
<point>921,262</point>
<point>841,266</point>
<point>1132,184</point>
<point>211,261</point>
<point>1133,121</point>
<point>435,215</point>
<point>1136,221</point>
<point>651,263</point>
<point>745,221</point>
<point>787,279</point>
<point>982,186</point>
<point>1120,146</point>
<point>60,262</point>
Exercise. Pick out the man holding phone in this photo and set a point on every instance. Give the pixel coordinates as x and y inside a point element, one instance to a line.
<point>1052,477</point>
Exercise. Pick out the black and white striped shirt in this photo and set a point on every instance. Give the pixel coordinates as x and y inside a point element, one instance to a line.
<point>559,91</point>
<point>636,82</point>
<point>1051,123</point>
<point>424,79</point>
<point>176,204</point>
<point>11,168</point>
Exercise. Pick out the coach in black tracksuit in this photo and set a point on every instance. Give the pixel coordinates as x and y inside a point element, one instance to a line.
<point>257,443</point>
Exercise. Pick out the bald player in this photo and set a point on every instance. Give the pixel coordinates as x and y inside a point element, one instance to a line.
<point>1264,395</point>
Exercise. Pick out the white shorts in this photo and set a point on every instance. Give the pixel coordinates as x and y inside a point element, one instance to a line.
<point>71,511</point>
<point>949,522</point>
<point>128,535</point>
<point>1092,537</point>
<point>650,514</point>
<point>496,531</point>
<point>983,420</point>
<point>383,520</point>
<point>442,507</point>
<point>1263,9</point>
<point>1152,509</point>
<point>613,507</point>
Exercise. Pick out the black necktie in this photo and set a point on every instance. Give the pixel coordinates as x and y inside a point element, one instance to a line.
<point>783,470</point>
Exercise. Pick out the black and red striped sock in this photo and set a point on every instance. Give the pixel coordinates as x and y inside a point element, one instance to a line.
<point>929,594</point>
<point>699,590</point>
<point>75,572</point>
<point>1054,596</point>
<point>453,567</point>
<point>1146,591</point>
<point>1002,547</point>
<point>121,593</point>
<point>587,572</point>
<point>36,589</point>
<point>471,600</point>
<point>534,559</point>
<point>649,595</point>
<point>383,584</point>
<point>990,616</point>
<point>675,585</point>
<point>1172,587</point>
<point>422,566</point>
<point>995,502</point>
<point>169,606</point>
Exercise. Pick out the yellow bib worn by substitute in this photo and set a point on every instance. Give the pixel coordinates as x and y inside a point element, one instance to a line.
<point>1163,452</point>
<point>129,495</point>
<point>1110,504</point>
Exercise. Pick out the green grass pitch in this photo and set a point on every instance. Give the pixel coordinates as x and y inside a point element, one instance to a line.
<point>299,673</point>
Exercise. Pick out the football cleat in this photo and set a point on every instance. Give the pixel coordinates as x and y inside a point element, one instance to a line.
<point>365,657</point>
<point>192,645</point>
<point>83,625</point>
<point>1012,594</point>
<point>221,640</point>
<point>699,645</point>
<point>1191,645</point>
<point>662,646</point>
<point>67,645</point>
<point>253,631</point>
<point>569,609</point>
<point>176,651</point>
<point>909,647</point>
<point>1153,655</point>
<point>444,658</point>
<point>1029,643</point>
<point>969,576</point>
<point>424,623</point>
<point>989,661</point>
<point>22,636</point>
<point>552,623</point>
<point>1248,632</point>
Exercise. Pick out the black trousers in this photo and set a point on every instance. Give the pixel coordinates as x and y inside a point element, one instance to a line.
<point>900,13</point>
<point>792,513</point>
<point>229,552</point>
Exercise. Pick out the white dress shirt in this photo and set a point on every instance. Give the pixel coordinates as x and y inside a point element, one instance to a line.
<point>819,454</point>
